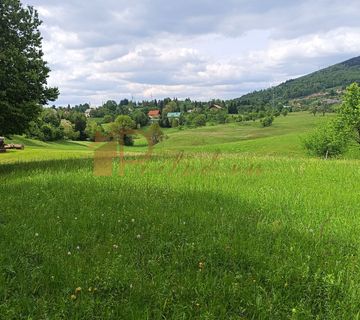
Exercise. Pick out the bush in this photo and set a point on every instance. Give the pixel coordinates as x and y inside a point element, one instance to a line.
<point>174,123</point>
<point>51,133</point>
<point>267,121</point>
<point>329,140</point>
<point>155,133</point>
<point>200,120</point>
<point>108,118</point>
<point>68,130</point>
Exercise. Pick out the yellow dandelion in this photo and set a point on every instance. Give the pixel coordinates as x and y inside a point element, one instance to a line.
<point>77,290</point>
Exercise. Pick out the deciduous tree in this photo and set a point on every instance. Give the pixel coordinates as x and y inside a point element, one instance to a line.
<point>23,71</point>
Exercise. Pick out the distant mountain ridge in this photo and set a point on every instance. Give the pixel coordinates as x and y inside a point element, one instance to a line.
<point>333,78</point>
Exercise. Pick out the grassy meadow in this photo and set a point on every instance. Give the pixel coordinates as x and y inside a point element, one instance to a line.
<point>244,225</point>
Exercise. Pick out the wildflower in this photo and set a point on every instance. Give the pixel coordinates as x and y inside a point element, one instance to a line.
<point>78,248</point>
<point>138,236</point>
<point>131,285</point>
<point>115,246</point>
<point>69,253</point>
<point>73,297</point>
<point>90,289</point>
<point>77,290</point>
<point>201,265</point>
<point>132,220</point>
<point>293,310</point>
<point>75,218</point>
<point>36,234</point>
<point>197,305</point>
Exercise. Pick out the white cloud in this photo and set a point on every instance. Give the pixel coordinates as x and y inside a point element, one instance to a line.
<point>203,49</point>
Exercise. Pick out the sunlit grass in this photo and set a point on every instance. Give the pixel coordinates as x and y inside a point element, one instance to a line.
<point>250,235</point>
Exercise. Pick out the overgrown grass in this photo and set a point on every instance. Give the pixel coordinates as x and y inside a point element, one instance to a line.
<point>235,236</point>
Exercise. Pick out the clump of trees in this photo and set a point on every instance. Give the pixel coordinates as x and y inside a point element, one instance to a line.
<point>52,125</point>
<point>121,130</point>
<point>333,138</point>
<point>329,140</point>
<point>267,121</point>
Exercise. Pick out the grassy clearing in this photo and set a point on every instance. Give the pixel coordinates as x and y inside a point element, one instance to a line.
<point>236,237</point>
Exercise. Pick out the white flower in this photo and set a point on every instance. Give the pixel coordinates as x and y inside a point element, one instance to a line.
<point>36,234</point>
<point>69,253</point>
<point>75,218</point>
<point>132,220</point>
<point>78,247</point>
<point>138,236</point>
<point>115,246</point>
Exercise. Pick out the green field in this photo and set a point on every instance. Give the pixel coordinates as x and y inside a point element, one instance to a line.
<point>244,226</point>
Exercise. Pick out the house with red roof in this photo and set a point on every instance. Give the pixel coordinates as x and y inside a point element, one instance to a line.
<point>154,115</point>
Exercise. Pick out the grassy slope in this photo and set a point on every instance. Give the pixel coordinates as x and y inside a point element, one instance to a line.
<point>249,236</point>
<point>284,137</point>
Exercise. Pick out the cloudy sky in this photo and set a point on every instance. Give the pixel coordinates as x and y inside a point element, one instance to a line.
<point>202,49</point>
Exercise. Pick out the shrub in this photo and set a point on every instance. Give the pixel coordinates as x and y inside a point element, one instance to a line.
<point>174,123</point>
<point>199,120</point>
<point>329,140</point>
<point>155,133</point>
<point>267,121</point>
<point>108,118</point>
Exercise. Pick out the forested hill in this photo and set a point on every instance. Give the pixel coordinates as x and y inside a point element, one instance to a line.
<point>335,77</point>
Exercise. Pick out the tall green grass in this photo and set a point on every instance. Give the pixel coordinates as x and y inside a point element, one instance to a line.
<point>238,237</point>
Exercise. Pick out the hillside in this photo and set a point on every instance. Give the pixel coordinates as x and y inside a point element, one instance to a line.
<point>283,138</point>
<point>331,80</point>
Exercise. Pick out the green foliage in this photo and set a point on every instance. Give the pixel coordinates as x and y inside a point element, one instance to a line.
<point>79,121</point>
<point>155,133</point>
<point>68,129</point>
<point>140,118</point>
<point>122,128</point>
<point>199,120</point>
<point>350,109</point>
<point>174,123</point>
<point>267,121</point>
<point>92,128</point>
<point>338,75</point>
<point>108,118</point>
<point>23,72</point>
<point>329,140</point>
<point>50,133</point>
<point>50,116</point>
<point>221,117</point>
<point>284,112</point>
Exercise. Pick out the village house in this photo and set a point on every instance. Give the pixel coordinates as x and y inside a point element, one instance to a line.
<point>154,115</point>
<point>174,115</point>
<point>215,107</point>
<point>87,113</point>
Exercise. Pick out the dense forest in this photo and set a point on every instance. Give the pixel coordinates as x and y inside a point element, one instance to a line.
<point>332,80</point>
